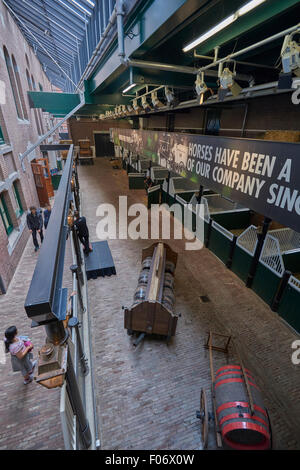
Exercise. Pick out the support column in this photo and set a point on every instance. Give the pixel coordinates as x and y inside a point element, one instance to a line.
<point>261,236</point>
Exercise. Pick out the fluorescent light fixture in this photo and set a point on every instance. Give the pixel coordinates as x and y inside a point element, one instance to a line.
<point>210,33</point>
<point>129,88</point>
<point>223,24</point>
<point>249,6</point>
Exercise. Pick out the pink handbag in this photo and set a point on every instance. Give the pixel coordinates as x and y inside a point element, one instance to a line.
<point>28,343</point>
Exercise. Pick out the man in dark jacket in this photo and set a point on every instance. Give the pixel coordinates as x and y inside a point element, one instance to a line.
<point>82,231</point>
<point>35,224</point>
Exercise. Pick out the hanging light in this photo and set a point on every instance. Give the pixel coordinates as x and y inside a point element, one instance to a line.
<point>136,106</point>
<point>227,83</point>
<point>145,104</point>
<point>155,101</point>
<point>124,110</point>
<point>290,56</point>
<point>200,84</point>
<point>169,96</point>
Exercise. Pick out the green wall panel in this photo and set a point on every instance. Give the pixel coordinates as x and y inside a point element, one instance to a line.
<point>233,220</point>
<point>292,262</point>
<point>219,245</point>
<point>289,308</point>
<point>241,263</point>
<point>136,181</point>
<point>265,283</point>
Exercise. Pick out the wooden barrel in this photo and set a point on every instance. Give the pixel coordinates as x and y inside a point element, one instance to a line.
<point>146,264</point>
<point>144,276</point>
<point>240,430</point>
<point>170,267</point>
<point>140,293</point>
<point>168,298</point>
<point>169,281</point>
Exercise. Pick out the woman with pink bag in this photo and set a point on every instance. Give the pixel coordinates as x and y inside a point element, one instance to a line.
<point>20,348</point>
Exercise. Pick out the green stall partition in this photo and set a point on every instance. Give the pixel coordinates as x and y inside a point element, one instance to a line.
<point>244,252</point>
<point>266,283</point>
<point>289,307</point>
<point>292,261</point>
<point>154,195</point>
<point>241,262</point>
<point>233,220</point>
<point>270,270</point>
<point>220,242</point>
<point>136,181</point>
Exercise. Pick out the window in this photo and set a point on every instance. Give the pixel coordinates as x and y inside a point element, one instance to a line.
<point>5,215</point>
<point>34,109</point>
<point>27,60</point>
<point>13,83</point>
<point>2,141</point>
<point>38,110</point>
<point>19,86</point>
<point>19,210</point>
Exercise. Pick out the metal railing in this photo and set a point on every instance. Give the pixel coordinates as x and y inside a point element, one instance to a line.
<point>295,283</point>
<point>222,230</point>
<point>271,256</point>
<point>248,240</point>
<point>288,239</point>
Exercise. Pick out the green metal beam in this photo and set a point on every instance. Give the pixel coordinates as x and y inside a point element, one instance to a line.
<point>245,23</point>
<point>54,103</point>
<point>150,19</point>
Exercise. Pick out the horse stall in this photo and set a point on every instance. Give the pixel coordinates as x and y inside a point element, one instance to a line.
<point>221,215</point>
<point>281,253</point>
<point>288,308</point>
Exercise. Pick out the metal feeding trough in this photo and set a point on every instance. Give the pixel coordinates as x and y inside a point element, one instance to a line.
<point>240,417</point>
<point>152,312</point>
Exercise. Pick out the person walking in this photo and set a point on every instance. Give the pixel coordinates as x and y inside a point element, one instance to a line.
<point>47,213</point>
<point>82,232</point>
<point>35,224</point>
<point>20,348</point>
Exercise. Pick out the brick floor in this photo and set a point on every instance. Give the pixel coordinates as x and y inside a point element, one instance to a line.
<point>147,397</point>
<point>29,414</point>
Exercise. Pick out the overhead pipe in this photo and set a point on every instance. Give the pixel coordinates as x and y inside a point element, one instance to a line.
<point>120,25</point>
<point>250,48</point>
<point>178,69</point>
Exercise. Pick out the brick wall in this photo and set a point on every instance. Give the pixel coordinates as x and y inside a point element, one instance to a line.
<point>85,128</point>
<point>18,133</point>
<point>267,113</point>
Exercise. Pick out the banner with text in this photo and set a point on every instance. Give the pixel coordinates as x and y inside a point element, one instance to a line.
<point>262,175</point>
